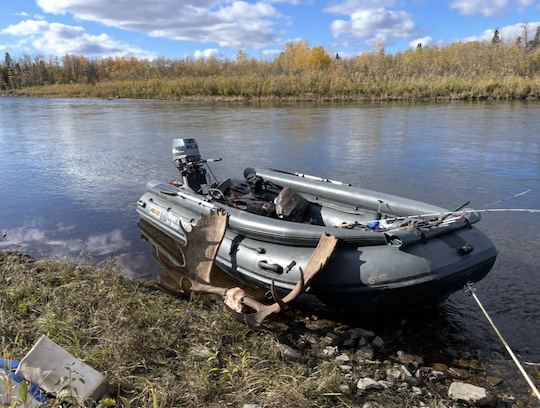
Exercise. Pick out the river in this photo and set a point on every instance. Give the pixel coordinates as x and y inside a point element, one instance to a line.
<point>72,170</point>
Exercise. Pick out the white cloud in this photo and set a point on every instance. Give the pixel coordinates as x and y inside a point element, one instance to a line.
<point>425,41</point>
<point>509,33</point>
<point>487,7</point>
<point>61,39</point>
<point>378,23</point>
<point>271,53</point>
<point>22,14</point>
<point>228,23</point>
<point>207,53</point>
<point>350,6</point>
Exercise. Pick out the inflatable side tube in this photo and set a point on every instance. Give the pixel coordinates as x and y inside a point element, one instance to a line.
<point>347,195</point>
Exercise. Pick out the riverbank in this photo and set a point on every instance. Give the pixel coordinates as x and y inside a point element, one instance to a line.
<point>317,86</point>
<point>161,351</point>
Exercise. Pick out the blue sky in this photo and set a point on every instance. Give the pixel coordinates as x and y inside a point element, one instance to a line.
<point>205,28</point>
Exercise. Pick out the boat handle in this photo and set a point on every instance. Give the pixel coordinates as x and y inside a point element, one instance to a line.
<point>270,267</point>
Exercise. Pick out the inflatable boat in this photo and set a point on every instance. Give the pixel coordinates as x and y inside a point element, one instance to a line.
<point>392,253</point>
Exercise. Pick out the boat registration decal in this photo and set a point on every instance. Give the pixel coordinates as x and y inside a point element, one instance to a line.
<point>156,212</point>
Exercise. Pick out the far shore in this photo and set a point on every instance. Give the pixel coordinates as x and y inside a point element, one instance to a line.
<point>510,89</point>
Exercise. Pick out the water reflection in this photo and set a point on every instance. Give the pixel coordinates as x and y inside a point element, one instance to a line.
<point>173,276</point>
<point>29,238</point>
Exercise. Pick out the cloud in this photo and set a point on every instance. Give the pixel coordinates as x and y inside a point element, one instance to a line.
<point>425,41</point>
<point>61,39</point>
<point>509,33</point>
<point>487,7</point>
<point>271,53</point>
<point>207,53</point>
<point>21,14</point>
<point>350,6</point>
<point>27,238</point>
<point>376,23</point>
<point>228,23</point>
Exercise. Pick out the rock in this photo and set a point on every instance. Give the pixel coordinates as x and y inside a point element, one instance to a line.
<point>435,375</point>
<point>460,391</point>
<point>439,367</point>
<point>459,373</point>
<point>365,353</point>
<point>201,351</point>
<point>252,405</point>
<point>403,387</point>
<point>329,339</point>
<point>366,383</point>
<point>320,324</point>
<point>386,384</point>
<point>493,381</point>
<point>345,389</point>
<point>345,368</point>
<point>393,374</point>
<point>405,371</point>
<point>349,343</point>
<point>288,353</point>
<point>377,343</point>
<point>362,342</point>
<point>467,364</point>
<point>417,391</point>
<point>409,359</point>
<point>343,358</point>
<point>412,381</point>
<point>356,333</point>
<point>330,351</point>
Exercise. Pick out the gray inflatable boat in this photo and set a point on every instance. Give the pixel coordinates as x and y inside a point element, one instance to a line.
<point>393,253</point>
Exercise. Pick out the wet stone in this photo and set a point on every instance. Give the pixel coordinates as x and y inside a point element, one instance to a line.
<point>359,332</point>
<point>349,343</point>
<point>493,381</point>
<point>459,373</point>
<point>377,343</point>
<point>439,367</point>
<point>409,359</point>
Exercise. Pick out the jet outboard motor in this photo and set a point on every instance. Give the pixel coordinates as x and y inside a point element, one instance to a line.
<point>187,159</point>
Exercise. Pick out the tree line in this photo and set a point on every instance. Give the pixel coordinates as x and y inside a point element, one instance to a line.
<point>300,69</point>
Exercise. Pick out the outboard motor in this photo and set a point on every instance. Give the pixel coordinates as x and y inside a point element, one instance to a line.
<point>187,159</point>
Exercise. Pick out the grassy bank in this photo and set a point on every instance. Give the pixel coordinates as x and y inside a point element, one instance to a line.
<point>316,86</point>
<point>155,350</point>
<point>160,351</point>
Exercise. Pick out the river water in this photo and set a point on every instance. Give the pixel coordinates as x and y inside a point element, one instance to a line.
<point>71,171</point>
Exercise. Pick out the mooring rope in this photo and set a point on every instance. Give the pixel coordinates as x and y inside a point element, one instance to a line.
<point>471,290</point>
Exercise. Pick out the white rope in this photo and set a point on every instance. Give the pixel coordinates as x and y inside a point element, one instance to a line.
<point>471,290</point>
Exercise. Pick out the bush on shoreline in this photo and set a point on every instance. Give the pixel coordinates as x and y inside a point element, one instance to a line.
<point>472,70</point>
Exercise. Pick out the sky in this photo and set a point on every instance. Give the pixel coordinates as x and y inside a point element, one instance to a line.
<point>220,28</point>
